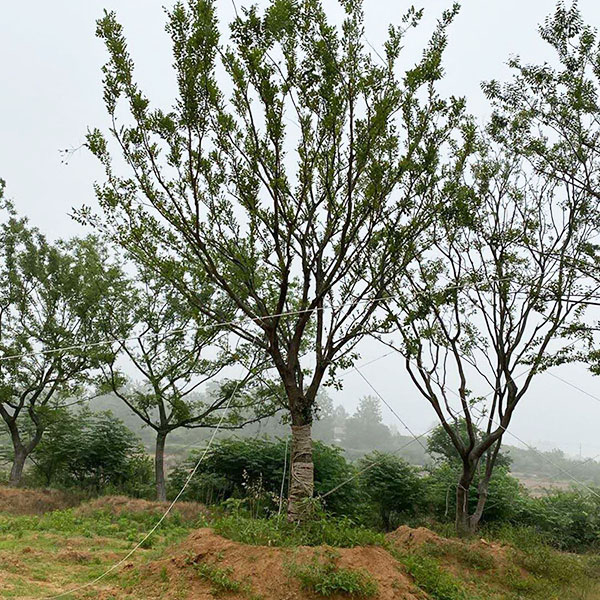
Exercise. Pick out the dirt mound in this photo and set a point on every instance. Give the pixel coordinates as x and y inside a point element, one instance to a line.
<point>456,554</point>
<point>21,501</point>
<point>117,505</point>
<point>264,572</point>
<point>406,538</point>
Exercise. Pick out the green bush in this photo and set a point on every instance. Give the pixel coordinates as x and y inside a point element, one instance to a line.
<point>92,451</point>
<point>568,520</point>
<point>392,486</point>
<point>252,470</point>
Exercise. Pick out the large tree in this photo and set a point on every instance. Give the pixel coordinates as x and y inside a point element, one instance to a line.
<point>517,262</point>
<point>293,167</point>
<point>493,302</point>
<point>50,296</point>
<point>176,352</point>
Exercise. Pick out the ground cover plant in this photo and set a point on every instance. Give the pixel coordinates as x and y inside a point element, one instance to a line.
<point>325,578</point>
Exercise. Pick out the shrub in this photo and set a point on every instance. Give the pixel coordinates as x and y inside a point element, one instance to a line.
<point>568,520</point>
<point>391,485</point>
<point>92,451</point>
<point>252,469</point>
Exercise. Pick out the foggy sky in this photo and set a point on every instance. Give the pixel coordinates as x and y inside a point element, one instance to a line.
<point>50,68</point>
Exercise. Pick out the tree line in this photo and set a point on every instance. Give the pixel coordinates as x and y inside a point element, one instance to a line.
<point>303,193</point>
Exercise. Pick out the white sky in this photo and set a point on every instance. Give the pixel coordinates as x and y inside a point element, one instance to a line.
<point>50,63</point>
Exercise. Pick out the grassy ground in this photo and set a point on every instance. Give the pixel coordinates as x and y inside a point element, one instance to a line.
<point>45,555</point>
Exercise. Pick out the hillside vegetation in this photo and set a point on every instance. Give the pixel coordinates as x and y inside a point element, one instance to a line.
<point>197,554</point>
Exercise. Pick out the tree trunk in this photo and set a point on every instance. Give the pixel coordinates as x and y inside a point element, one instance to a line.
<point>467,524</point>
<point>481,501</point>
<point>16,472</point>
<point>301,474</point>
<point>463,520</point>
<point>159,466</point>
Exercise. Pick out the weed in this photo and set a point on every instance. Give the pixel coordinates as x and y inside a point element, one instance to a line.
<point>467,555</point>
<point>164,575</point>
<point>223,582</point>
<point>431,578</point>
<point>275,531</point>
<point>327,578</point>
<point>220,577</point>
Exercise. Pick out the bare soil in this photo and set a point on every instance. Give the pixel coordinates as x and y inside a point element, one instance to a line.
<point>265,569</point>
<point>117,505</point>
<point>21,501</point>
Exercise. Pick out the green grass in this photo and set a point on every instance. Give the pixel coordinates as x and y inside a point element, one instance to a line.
<point>531,570</point>
<point>223,582</point>
<point>47,554</point>
<point>433,579</point>
<point>103,523</point>
<point>340,533</point>
<point>550,574</point>
<point>327,578</point>
<point>219,577</point>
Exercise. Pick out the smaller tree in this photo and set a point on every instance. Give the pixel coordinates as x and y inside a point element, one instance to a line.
<point>177,351</point>
<point>441,447</point>
<point>498,297</point>
<point>50,297</point>
<point>58,447</point>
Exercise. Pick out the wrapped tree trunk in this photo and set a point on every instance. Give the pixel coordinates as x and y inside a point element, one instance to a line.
<point>301,473</point>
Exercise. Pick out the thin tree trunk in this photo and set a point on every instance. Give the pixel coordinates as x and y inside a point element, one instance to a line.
<point>463,520</point>
<point>16,472</point>
<point>301,474</point>
<point>484,485</point>
<point>159,466</point>
<point>481,502</point>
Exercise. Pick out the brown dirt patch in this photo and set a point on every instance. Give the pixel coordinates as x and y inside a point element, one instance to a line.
<point>264,569</point>
<point>407,539</point>
<point>70,555</point>
<point>22,501</point>
<point>117,505</point>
